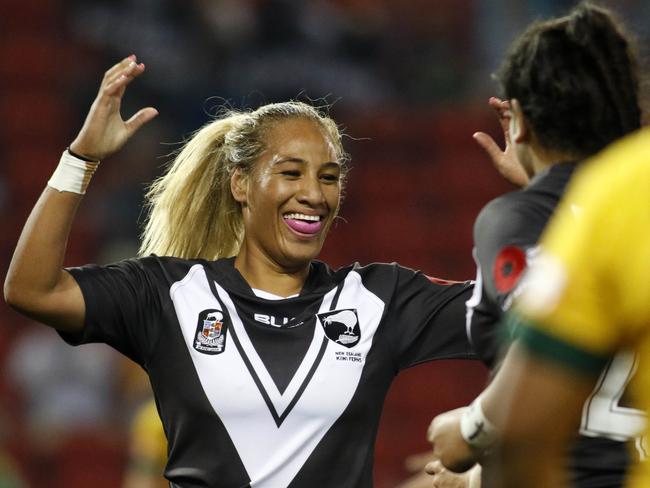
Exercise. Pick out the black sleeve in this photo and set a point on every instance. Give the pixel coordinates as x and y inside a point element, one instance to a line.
<point>505,233</point>
<point>121,307</point>
<point>427,319</point>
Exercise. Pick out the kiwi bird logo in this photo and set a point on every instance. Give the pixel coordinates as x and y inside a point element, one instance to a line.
<point>345,317</point>
<point>341,326</point>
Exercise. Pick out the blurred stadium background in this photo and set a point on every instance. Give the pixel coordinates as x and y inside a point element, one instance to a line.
<point>408,80</point>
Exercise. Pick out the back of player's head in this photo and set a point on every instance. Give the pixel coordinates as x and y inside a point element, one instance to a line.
<point>576,78</point>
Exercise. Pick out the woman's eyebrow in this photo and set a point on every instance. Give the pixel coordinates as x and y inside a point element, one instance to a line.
<point>302,161</point>
<point>289,159</point>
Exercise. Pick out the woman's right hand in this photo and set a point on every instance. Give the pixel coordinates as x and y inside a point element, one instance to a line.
<point>505,161</point>
<point>104,132</point>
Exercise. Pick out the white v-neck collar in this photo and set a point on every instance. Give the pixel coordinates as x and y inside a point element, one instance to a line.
<point>270,296</point>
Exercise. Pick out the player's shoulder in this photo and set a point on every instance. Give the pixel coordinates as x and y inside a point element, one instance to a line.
<point>381,276</point>
<point>510,214</point>
<point>155,262</point>
<point>391,276</point>
<point>380,269</point>
<point>620,173</point>
<point>375,271</point>
<point>167,269</point>
<point>516,204</point>
<point>626,158</point>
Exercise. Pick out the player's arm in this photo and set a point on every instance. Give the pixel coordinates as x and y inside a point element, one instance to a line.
<point>536,402</point>
<point>503,233</point>
<point>463,436</point>
<point>36,284</point>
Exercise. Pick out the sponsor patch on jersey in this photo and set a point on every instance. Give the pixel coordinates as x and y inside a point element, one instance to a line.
<point>509,264</point>
<point>341,326</point>
<point>211,331</point>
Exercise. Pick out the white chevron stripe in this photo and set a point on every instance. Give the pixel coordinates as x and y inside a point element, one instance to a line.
<point>280,400</point>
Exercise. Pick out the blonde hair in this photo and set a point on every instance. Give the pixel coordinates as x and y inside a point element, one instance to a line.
<point>192,213</point>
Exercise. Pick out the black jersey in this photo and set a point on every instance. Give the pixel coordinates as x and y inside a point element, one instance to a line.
<point>270,393</point>
<point>506,234</point>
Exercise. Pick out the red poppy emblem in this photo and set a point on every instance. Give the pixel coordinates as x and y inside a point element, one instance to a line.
<point>508,266</point>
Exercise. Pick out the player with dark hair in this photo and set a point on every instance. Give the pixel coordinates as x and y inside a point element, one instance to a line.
<point>269,368</point>
<point>570,87</point>
<point>586,299</point>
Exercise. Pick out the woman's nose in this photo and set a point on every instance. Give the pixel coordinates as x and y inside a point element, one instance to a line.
<point>310,191</point>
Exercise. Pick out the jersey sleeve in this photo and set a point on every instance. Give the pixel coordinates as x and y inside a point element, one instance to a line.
<point>427,319</point>
<point>504,233</point>
<point>121,307</point>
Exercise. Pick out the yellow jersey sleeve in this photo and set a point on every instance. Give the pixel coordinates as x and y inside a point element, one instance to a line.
<point>590,289</point>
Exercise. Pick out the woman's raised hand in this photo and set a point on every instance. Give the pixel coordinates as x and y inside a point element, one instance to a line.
<point>104,132</point>
<point>505,161</point>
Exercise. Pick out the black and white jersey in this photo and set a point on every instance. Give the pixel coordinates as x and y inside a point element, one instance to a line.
<point>270,393</point>
<point>506,234</point>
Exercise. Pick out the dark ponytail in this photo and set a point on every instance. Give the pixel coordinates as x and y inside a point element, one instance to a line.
<point>576,78</point>
<point>594,29</point>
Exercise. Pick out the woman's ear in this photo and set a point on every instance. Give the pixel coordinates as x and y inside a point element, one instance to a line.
<point>519,131</point>
<point>239,186</point>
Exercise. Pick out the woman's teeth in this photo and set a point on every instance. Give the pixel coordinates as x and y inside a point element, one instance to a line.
<point>299,216</point>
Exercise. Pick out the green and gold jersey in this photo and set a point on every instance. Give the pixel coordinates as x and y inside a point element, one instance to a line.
<point>588,297</point>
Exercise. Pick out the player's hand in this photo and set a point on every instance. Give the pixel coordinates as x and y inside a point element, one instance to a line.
<point>448,444</point>
<point>414,464</point>
<point>441,477</point>
<point>505,161</point>
<point>104,131</point>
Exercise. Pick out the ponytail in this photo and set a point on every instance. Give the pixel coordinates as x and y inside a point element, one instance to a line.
<point>577,80</point>
<point>192,211</point>
<point>597,31</point>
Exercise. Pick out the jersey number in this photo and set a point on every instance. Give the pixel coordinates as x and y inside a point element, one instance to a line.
<point>604,415</point>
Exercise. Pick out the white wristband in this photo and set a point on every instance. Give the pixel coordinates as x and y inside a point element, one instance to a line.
<point>72,174</point>
<point>476,429</point>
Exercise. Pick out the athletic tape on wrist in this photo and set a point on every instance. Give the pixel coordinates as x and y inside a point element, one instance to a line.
<point>476,429</point>
<point>72,174</point>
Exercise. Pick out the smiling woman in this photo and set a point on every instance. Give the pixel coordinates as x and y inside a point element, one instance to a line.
<point>264,185</point>
<point>289,201</point>
<point>268,367</point>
